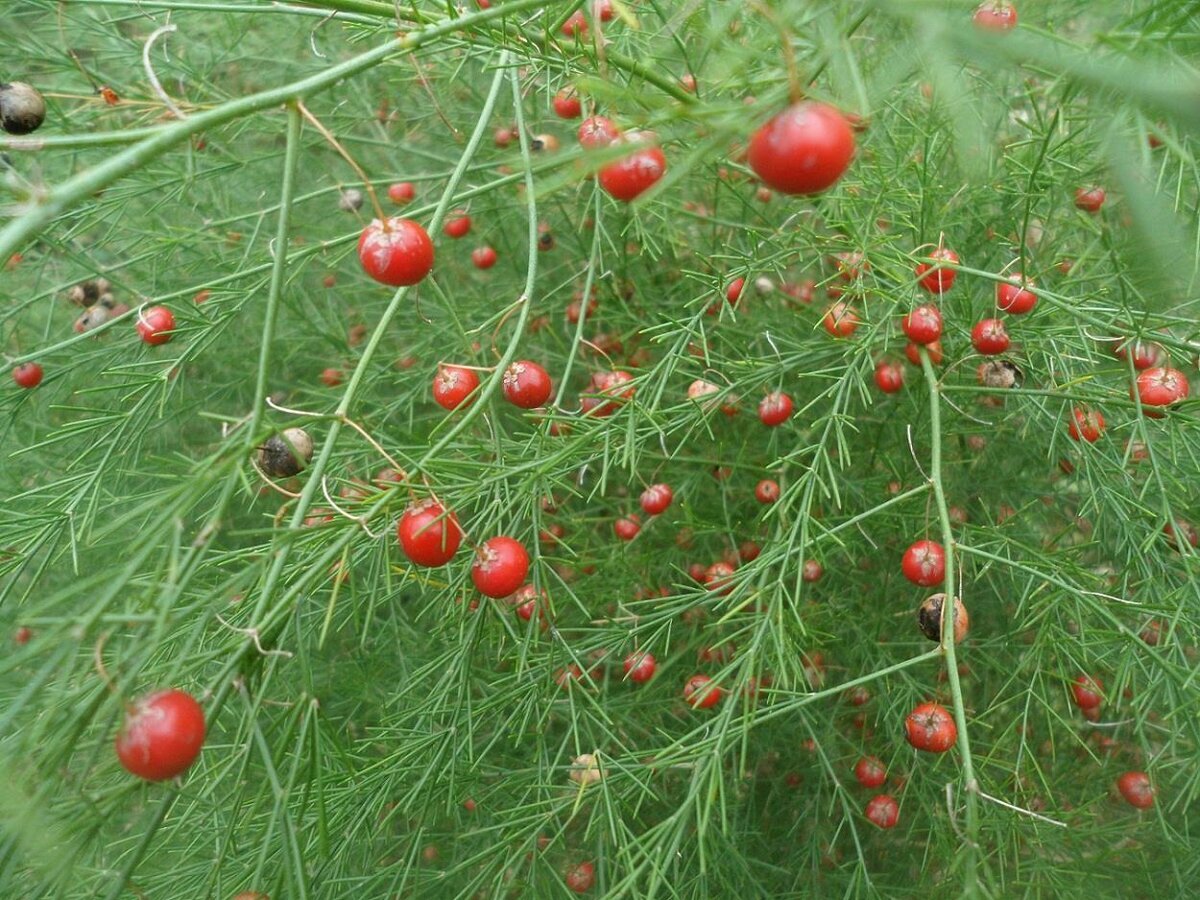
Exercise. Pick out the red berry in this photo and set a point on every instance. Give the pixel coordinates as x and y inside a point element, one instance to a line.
<point>803,150</point>
<point>718,577</point>
<point>1161,386</point>
<point>28,375</point>
<point>934,279</point>
<point>1135,787</point>
<point>483,257</point>
<point>628,178</point>
<point>656,498</point>
<point>639,666</point>
<point>457,225</point>
<point>428,534</point>
<point>882,811</point>
<point>399,254</point>
<point>1089,199</point>
<point>23,635</point>
<point>526,384</point>
<point>889,376</point>
<point>155,325</point>
<point>841,319</point>
<point>923,325</point>
<point>162,735</point>
<point>924,563</point>
<point>1145,354</point>
<point>453,386</point>
<point>811,571</point>
<point>567,105</point>
<point>1088,692</point>
<point>775,409</point>
<point>596,132</point>
<point>500,567</point>
<point>870,772</point>
<point>700,693</point>
<point>627,527</point>
<point>930,727</point>
<point>1012,296</point>
<point>581,876</point>
<point>766,491</point>
<point>1086,425</point>
<point>913,352</point>
<point>331,377</point>
<point>402,191</point>
<point>575,25</point>
<point>995,15</point>
<point>733,293</point>
<point>989,337</point>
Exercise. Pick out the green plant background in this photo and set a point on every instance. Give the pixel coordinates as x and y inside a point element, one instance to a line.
<point>351,720</point>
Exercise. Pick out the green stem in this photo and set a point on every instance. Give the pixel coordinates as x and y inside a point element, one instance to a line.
<point>971,850</point>
<point>278,269</point>
<point>74,191</point>
<point>510,352</point>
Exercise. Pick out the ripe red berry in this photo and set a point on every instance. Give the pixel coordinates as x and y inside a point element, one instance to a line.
<point>656,498</point>
<point>627,527</point>
<point>882,810</point>
<point>457,225</point>
<point>402,191</point>
<point>870,772</point>
<point>718,577</point>
<point>995,15</point>
<point>989,337</point>
<point>628,178</point>
<point>483,257</point>
<point>1088,692</point>
<point>811,571</point>
<point>162,735</point>
<point>597,132</point>
<point>1012,296</point>
<point>913,352</point>
<point>500,567</point>
<point>567,105</point>
<point>924,563</point>
<point>640,666</point>
<point>803,150</point>
<point>1135,787</point>
<point>733,293</point>
<point>575,25</point>
<point>1161,386</point>
<point>28,375</point>
<point>453,386</point>
<point>331,377</point>
<point>934,279</point>
<point>428,534</point>
<point>399,254</point>
<point>841,319</point>
<point>1086,425</point>
<point>1090,199</point>
<point>526,384</point>
<point>923,325</point>
<point>766,491</point>
<point>581,876</point>
<point>775,409</point>
<point>700,693</point>
<point>889,376</point>
<point>930,727</point>
<point>155,325</point>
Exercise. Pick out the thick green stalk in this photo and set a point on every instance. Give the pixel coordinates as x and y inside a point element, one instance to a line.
<point>278,269</point>
<point>47,207</point>
<point>970,871</point>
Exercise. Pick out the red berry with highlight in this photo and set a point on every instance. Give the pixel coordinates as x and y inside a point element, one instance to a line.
<point>155,325</point>
<point>526,384</point>
<point>428,534</point>
<point>924,563</point>
<point>162,735</point>
<point>500,567</point>
<point>399,255</point>
<point>453,386</point>
<point>931,728</point>
<point>805,149</point>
